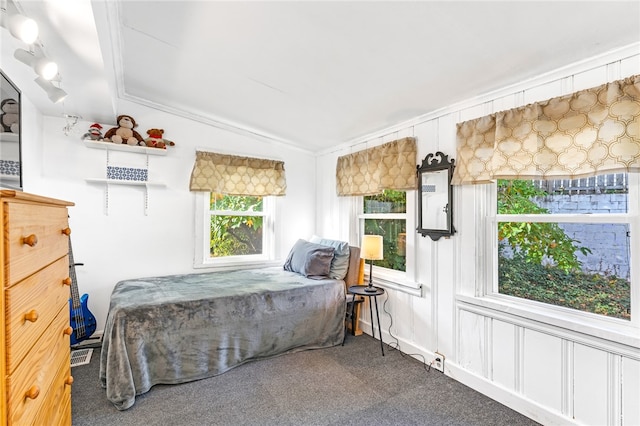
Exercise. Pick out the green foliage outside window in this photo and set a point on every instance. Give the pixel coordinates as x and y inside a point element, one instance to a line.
<point>604,295</point>
<point>393,231</point>
<point>235,235</point>
<point>562,283</point>
<point>536,241</point>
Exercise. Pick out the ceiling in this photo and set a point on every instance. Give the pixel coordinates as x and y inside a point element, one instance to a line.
<point>309,74</point>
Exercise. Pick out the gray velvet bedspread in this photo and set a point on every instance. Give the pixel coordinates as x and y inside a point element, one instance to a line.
<point>174,329</point>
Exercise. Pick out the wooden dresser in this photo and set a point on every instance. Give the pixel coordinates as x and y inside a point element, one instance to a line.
<point>35,354</point>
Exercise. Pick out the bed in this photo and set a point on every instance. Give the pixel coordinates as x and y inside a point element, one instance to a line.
<point>179,328</point>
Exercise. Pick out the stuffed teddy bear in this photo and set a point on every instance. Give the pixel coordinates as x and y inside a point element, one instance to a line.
<point>94,133</point>
<point>155,139</point>
<point>124,133</point>
<point>10,118</point>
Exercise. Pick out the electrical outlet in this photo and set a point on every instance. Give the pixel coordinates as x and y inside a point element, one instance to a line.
<point>438,362</point>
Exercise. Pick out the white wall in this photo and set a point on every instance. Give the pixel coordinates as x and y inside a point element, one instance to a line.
<point>554,375</point>
<point>122,242</point>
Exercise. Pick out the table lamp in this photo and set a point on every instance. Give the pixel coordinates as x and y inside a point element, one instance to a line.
<point>371,250</point>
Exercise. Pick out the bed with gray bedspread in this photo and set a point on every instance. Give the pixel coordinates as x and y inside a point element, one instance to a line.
<point>175,329</point>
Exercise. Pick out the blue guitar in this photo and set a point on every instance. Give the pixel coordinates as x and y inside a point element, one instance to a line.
<point>82,320</point>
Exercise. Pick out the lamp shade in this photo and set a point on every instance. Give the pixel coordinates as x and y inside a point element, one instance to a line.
<point>371,247</point>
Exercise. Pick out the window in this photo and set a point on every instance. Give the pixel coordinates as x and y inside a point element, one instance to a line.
<point>568,243</point>
<point>234,229</point>
<point>386,214</point>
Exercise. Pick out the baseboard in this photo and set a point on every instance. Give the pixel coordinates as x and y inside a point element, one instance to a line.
<point>507,397</point>
<point>95,341</point>
<point>504,396</point>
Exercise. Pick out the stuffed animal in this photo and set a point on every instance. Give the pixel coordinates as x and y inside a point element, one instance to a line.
<point>94,133</point>
<point>10,118</point>
<point>155,139</point>
<point>124,133</point>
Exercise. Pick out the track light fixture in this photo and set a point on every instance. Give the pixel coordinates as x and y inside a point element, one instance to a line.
<point>21,27</point>
<point>26,29</point>
<point>54,93</point>
<point>44,67</point>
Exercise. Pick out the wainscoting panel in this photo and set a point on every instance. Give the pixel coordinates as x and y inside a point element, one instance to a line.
<point>542,364</point>
<point>591,385</point>
<point>471,349</point>
<point>630,374</point>
<point>504,359</point>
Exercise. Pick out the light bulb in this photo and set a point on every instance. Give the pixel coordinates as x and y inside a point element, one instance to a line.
<point>23,28</point>
<point>45,68</point>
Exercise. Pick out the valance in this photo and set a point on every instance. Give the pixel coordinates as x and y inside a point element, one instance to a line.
<point>234,175</point>
<point>369,172</point>
<point>593,131</point>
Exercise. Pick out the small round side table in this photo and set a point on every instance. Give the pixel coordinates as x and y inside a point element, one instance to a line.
<point>370,292</point>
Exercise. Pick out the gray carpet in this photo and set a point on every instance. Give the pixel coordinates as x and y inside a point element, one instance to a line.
<point>343,385</point>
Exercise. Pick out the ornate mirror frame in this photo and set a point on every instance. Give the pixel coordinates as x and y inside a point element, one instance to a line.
<point>435,196</point>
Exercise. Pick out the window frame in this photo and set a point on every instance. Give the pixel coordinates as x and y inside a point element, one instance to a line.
<point>384,276</point>
<point>202,234</point>
<point>601,326</point>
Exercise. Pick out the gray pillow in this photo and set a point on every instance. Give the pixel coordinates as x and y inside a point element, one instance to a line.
<point>309,259</point>
<point>340,262</point>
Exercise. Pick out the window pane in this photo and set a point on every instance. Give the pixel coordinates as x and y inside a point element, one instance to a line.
<point>393,231</point>
<point>389,201</point>
<point>235,203</point>
<point>235,235</point>
<point>580,266</point>
<point>598,194</point>
<point>394,234</point>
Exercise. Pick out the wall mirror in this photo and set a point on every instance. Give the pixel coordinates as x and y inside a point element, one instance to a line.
<point>435,203</point>
<point>10,158</point>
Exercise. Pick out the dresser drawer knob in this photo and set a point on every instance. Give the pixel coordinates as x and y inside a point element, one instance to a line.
<point>31,316</point>
<point>68,380</point>
<point>68,331</point>
<point>33,392</point>
<point>66,231</point>
<point>66,281</point>
<point>31,240</point>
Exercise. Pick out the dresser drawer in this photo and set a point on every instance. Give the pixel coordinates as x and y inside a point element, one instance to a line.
<point>30,307</point>
<point>56,410</point>
<point>28,386</point>
<point>34,238</point>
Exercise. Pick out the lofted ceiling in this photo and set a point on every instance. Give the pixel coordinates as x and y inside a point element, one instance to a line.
<point>312,74</point>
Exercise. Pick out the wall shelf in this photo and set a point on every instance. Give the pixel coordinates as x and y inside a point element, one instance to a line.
<point>108,182</point>
<point>126,182</point>
<point>127,148</point>
<point>125,176</point>
<point>9,137</point>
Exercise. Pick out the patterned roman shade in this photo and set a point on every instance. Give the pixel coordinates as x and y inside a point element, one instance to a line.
<point>589,132</point>
<point>369,172</point>
<point>233,175</point>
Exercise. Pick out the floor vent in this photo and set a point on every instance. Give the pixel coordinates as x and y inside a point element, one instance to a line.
<point>80,357</point>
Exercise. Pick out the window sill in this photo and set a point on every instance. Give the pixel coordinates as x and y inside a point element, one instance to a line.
<point>223,265</point>
<point>615,334</point>
<point>392,282</point>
